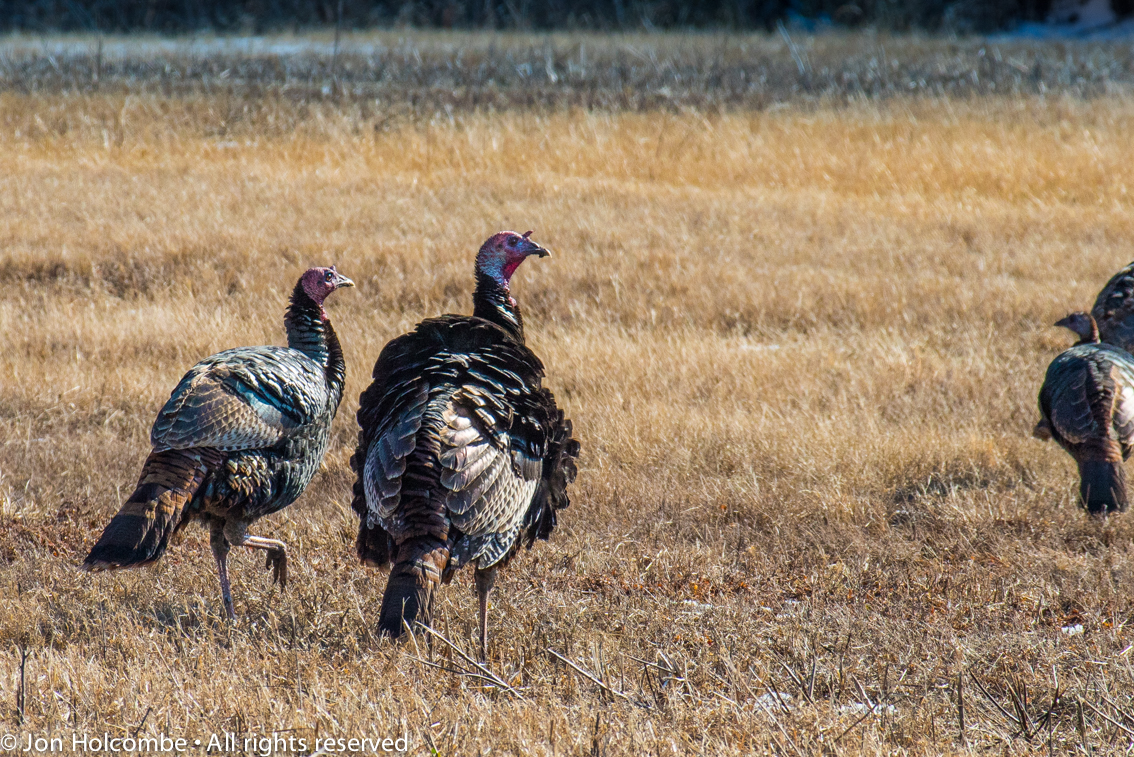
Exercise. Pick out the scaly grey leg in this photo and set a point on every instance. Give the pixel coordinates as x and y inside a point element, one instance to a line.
<point>484,581</point>
<point>220,552</point>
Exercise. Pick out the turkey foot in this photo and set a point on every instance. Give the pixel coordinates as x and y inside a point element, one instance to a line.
<point>276,558</point>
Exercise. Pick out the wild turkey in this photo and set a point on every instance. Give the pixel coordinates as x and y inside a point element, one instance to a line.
<point>240,437</point>
<point>1087,406</point>
<point>1114,310</point>
<point>462,454</point>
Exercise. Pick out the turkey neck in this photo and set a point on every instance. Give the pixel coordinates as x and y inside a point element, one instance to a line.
<point>493,302</point>
<point>309,331</point>
<point>1093,338</point>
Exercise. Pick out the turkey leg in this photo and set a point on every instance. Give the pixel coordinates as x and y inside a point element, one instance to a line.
<point>220,552</point>
<point>277,556</point>
<point>484,580</point>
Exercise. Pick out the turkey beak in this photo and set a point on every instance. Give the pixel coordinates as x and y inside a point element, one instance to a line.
<point>342,281</point>
<point>1064,323</point>
<point>531,248</point>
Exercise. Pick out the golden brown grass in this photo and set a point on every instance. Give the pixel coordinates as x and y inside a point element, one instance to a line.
<point>801,350</point>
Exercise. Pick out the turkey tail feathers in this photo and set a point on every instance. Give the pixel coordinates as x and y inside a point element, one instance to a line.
<point>409,590</point>
<point>1102,486</point>
<point>140,532</point>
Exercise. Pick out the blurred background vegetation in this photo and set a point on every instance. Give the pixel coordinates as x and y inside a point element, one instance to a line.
<point>259,16</point>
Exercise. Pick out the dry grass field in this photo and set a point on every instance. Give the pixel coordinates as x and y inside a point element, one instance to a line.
<point>801,347</point>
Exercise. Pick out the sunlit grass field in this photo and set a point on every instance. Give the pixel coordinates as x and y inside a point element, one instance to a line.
<point>801,348</point>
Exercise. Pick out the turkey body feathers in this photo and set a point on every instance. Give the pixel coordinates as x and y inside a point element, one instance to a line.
<point>1114,310</point>
<point>1087,402</point>
<point>460,449</point>
<point>1088,394</point>
<point>269,407</point>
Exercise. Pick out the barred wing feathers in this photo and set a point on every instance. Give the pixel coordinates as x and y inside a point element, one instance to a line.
<point>241,399</point>
<point>489,480</point>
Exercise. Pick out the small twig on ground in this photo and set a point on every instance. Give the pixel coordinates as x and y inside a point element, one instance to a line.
<point>854,725</point>
<point>1129,731</point>
<point>143,723</point>
<point>989,697</point>
<point>731,701</point>
<point>773,689</point>
<point>862,693</point>
<point>413,637</point>
<point>873,708</point>
<point>798,682</point>
<point>1020,702</point>
<point>1129,718</point>
<point>456,671</point>
<point>961,707</point>
<point>594,679</point>
<point>1081,723</point>
<point>1044,720</point>
<point>811,678</point>
<point>496,680</point>
<point>771,713</point>
<point>22,691</point>
<point>671,674</point>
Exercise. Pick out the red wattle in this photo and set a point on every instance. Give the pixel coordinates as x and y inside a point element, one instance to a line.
<point>510,268</point>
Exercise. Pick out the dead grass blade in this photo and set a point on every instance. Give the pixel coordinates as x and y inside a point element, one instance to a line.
<point>1122,727</point>
<point>992,700</point>
<point>803,687</point>
<point>1020,704</point>
<point>481,671</point>
<point>960,688</point>
<point>595,679</point>
<point>855,724</point>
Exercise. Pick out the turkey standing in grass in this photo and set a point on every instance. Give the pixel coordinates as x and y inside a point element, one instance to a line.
<point>240,438</point>
<point>462,454</point>
<point>1087,404</point>
<point>1114,310</point>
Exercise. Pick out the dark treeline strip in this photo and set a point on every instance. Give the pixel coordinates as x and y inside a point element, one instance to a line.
<point>259,16</point>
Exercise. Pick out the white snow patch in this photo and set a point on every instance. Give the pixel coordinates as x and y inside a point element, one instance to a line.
<point>860,708</point>
<point>202,47</point>
<point>791,607</point>
<point>772,701</point>
<point>699,607</point>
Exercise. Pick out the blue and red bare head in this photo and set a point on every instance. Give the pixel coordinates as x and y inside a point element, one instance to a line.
<point>502,253</point>
<point>318,283</point>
